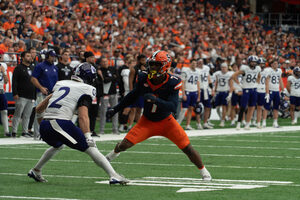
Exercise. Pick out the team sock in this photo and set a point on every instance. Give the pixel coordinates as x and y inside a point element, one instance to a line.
<point>100,160</point>
<point>48,154</point>
<point>4,121</point>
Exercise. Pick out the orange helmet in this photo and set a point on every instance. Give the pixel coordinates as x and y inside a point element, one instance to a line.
<point>161,59</point>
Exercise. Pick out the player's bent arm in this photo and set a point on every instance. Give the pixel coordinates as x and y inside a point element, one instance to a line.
<point>236,74</point>
<point>216,85</point>
<point>231,88</point>
<point>199,90</point>
<point>41,108</point>
<point>129,99</point>
<point>258,78</point>
<point>170,104</point>
<point>267,85</point>
<point>131,78</point>
<point>281,84</point>
<point>288,86</point>
<point>83,119</point>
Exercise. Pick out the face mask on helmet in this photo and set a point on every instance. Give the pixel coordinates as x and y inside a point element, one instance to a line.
<point>158,64</point>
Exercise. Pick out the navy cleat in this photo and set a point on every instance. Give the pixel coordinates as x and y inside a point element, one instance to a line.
<point>118,179</point>
<point>37,177</point>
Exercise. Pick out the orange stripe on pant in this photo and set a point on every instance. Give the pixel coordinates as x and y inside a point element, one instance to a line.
<point>167,127</point>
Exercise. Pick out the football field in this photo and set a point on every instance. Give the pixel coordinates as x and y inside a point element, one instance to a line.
<point>256,165</point>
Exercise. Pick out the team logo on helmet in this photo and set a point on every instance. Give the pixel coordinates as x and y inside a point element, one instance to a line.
<point>160,59</point>
<point>85,72</point>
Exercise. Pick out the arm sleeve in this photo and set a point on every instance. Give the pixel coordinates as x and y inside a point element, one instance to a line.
<point>170,104</point>
<point>84,101</point>
<point>37,71</point>
<point>129,99</point>
<point>15,81</point>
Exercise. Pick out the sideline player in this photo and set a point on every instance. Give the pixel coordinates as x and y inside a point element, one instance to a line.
<point>190,93</point>
<point>236,95</point>
<point>273,82</point>
<point>261,91</point>
<point>160,91</point>
<point>57,129</point>
<point>205,98</point>
<point>251,76</point>
<point>3,100</point>
<point>223,89</point>
<point>293,87</point>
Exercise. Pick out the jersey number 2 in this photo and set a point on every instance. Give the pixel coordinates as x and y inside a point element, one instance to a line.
<point>54,103</point>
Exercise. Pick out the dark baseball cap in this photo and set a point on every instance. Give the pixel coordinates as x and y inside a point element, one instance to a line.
<point>88,54</point>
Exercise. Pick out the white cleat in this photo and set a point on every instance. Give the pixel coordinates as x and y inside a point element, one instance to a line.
<point>264,125</point>
<point>294,122</point>
<point>188,127</point>
<point>238,126</point>
<point>276,126</point>
<point>205,174</point>
<point>247,127</point>
<point>199,127</point>
<point>210,124</point>
<point>222,124</point>
<point>207,126</point>
<point>36,176</point>
<point>118,179</point>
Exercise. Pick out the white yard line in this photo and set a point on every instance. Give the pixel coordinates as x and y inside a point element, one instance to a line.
<point>193,133</point>
<point>42,198</point>
<point>158,164</point>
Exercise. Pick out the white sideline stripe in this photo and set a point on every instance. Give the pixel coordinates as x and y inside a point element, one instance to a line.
<point>250,141</point>
<point>56,127</point>
<point>158,164</point>
<point>46,198</point>
<point>216,146</point>
<point>169,153</point>
<point>220,180</point>
<point>192,133</point>
<point>58,176</point>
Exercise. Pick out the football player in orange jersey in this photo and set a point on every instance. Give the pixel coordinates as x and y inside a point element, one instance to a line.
<point>160,91</point>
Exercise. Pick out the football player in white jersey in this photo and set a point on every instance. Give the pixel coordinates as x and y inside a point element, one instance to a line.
<point>57,129</point>
<point>293,87</point>
<point>236,95</point>
<point>3,100</point>
<point>205,97</point>
<point>261,91</point>
<point>251,77</point>
<point>190,93</point>
<point>223,89</point>
<point>273,82</point>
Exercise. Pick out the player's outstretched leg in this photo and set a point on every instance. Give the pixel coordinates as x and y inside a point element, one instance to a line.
<point>102,162</point>
<point>36,172</point>
<point>121,146</point>
<point>196,159</point>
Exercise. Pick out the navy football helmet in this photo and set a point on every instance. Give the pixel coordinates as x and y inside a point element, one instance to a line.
<point>85,72</point>
<point>296,71</point>
<point>199,108</point>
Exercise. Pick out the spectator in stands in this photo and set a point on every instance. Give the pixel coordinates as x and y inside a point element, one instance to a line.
<point>44,77</point>
<point>63,66</point>
<point>3,100</point>
<point>24,94</point>
<point>110,94</point>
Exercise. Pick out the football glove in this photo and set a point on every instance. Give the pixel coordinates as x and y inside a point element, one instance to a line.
<point>228,98</point>
<point>110,113</point>
<point>267,98</point>
<point>149,97</point>
<point>89,140</point>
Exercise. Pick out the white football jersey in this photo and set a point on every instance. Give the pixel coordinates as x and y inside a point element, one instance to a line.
<point>204,73</point>
<point>237,87</point>
<point>190,78</point>
<point>261,88</point>
<point>1,76</point>
<point>125,79</point>
<point>295,86</point>
<point>250,76</point>
<point>275,76</point>
<point>66,94</point>
<point>223,80</point>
